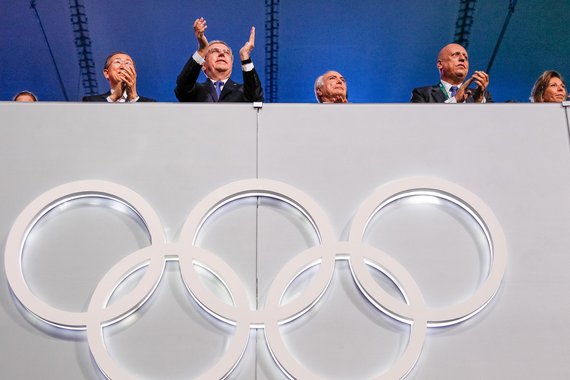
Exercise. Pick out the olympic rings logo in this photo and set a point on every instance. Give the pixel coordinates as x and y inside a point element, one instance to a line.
<point>359,255</point>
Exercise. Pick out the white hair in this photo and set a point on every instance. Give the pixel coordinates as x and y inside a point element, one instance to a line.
<point>318,84</point>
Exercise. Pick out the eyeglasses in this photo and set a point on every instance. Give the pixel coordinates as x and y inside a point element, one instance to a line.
<point>118,62</point>
<point>220,51</point>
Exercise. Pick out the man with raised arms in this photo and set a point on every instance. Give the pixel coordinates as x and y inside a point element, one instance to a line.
<point>215,58</point>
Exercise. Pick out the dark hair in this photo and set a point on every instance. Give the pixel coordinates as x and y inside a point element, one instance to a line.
<point>537,93</point>
<point>25,92</point>
<point>108,59</point>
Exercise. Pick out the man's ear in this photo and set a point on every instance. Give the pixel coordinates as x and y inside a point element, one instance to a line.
<point>438,64</point>
<point>106,73</point>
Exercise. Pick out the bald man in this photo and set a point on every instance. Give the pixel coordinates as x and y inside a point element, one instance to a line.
<point>453,66</point>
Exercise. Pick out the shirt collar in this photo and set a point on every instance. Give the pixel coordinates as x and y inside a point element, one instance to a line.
<point>223,81</point>
<point>448,86</point>
<point>123,97</point>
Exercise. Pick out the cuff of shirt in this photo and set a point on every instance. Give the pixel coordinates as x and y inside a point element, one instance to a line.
<point>247,67</point>
<point>198,58</point>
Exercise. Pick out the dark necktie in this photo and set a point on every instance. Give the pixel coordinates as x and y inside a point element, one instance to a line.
<point>219,84</point>
<point>453,91</point>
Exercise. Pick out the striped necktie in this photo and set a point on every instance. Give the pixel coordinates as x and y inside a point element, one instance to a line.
<point>453,91</point>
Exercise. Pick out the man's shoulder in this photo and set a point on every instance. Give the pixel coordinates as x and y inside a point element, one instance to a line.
<point>96,98</point>
<point>233,84</point>
<point>427,88</point>
<point>428,94</point>
<point>145,99</point>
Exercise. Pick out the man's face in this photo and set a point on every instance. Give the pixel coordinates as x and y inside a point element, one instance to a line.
<point>453,63</point>
<point>115,65</point>
<point>334,86</point>
<point>218,60</point>
<point>555,92</point>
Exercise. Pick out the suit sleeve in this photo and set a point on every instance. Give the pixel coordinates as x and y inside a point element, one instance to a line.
<point>252,90</point>
<point>186,81</point>
<point>143,99</point>
<point>100,98</point>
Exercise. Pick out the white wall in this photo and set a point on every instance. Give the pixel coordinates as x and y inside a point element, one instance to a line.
<point>514,158</point>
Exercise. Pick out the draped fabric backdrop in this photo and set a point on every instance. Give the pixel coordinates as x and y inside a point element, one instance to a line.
<point>384,48</point>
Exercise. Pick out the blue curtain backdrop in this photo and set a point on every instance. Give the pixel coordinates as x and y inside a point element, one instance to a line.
<point>383,48</point>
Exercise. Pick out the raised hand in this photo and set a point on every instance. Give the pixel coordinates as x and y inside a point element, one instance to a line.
<point>341,99</point>
<point>199,29</point>
<point>482,80</point>
<point>463,92</point>
<point>129,78</point>
<point>245,51</point>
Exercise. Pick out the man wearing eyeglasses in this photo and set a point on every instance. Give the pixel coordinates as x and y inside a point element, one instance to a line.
<point>121,74</point>
<point>216,59</point>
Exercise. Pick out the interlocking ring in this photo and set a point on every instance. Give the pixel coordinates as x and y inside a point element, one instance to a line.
<point>413,311</point>
<point>468,202</point>
<point>37,210</point>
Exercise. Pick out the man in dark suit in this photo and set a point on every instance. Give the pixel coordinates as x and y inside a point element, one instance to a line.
<point>453,66</point>
<point>216,59</point>
<point>122,76</point>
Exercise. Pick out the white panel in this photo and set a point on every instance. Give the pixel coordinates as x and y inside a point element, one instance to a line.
<point>515,158</point>
<point>509,161</point>
<point>172,155</point>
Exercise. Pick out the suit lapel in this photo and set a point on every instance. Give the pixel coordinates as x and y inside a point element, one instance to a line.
<point>228,88</point>
<point>438,95</point>
<point>211,91</point>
